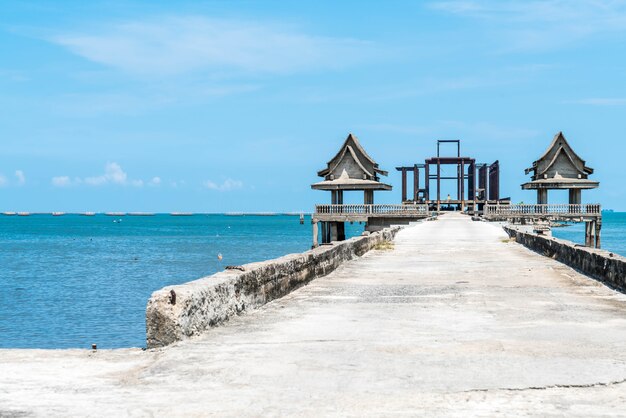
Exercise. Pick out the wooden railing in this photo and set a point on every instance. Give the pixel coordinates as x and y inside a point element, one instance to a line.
<point>405,210</point>
<point>539,210</point>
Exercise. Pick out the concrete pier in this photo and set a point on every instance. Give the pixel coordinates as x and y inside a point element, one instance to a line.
<point>455,320</point>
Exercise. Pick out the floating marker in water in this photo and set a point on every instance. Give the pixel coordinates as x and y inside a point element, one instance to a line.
<point>219,257</point>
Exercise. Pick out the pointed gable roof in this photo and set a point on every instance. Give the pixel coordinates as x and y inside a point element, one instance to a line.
<point>560,168</point>
<point>351,169</point>
<point>352,145</point>
<point>559,145</point>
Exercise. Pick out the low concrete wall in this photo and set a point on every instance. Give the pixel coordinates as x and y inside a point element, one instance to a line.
<point>602,265</point>
<point>177,312</point>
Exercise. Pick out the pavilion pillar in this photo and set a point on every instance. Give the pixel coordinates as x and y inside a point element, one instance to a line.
<point>472,184</point>
<point>315,233</point>
<point>334,231</point>
<point>588,242</point>
<point>597,232</point>
<point>416,183</point>
<point>575,197</point>
<point>542,196</point>
<point>403,185</point>
<point>368,197</point>
<point>341,231</point>
<point>458,182</point>
<point>438,185</point>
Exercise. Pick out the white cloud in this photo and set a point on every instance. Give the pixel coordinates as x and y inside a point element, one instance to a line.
<point>113,174</point>
<point>156,181</point>
<point>21,178</point>
<point>177,45</point>
<point>599,101</point>
<point>227,185</point>
<point>61,181</point>
<point>95,181</point>
<point>3,181</point>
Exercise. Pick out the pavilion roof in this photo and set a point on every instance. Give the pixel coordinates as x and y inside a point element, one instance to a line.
<point>351,169</point>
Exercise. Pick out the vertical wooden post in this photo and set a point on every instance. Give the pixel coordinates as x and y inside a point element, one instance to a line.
<point>462,178</point>
<point>403,184</point>
<point>416,183</point>
<point>427,181</point>
<point>340,197</point>
<point>458,182</point>
<point>473,170</point>
<point>438,185</point>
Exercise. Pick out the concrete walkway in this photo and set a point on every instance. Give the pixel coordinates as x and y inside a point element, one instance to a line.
<point>454,321</point>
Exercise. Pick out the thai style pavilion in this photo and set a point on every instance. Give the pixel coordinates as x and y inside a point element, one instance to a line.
<point>560,168</point>
<point>351,169</point>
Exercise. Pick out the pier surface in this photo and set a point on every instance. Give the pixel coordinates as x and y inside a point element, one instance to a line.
<point>456,320</point>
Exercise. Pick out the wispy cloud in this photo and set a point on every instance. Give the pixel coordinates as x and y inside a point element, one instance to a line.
<point>21,178</point>
<point>62,181</point>
<point>227,185</point>
<point>113,174</point>
<point>542,25</point>
<point>155,181</point>
<point>599,101</point>
<point>175,45</point>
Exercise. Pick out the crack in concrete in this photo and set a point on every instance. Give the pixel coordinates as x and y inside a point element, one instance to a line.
<point>557,386</point>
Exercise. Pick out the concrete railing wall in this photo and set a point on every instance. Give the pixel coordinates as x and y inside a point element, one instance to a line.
<point>178,312</point>
<point>601,265</point>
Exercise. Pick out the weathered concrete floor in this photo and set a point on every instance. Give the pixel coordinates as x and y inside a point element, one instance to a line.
<point>454,321</point>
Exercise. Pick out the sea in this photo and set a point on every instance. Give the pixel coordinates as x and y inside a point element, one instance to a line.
<point>613,233</point>
<point>72,281</point>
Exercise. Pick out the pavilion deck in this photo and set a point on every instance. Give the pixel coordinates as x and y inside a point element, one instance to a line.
<point>553,212</point>
<point>361,213</point>
<point>590,214</point>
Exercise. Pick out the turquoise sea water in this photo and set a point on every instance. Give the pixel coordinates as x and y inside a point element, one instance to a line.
<point>613,234</point>
<point>70,281</point>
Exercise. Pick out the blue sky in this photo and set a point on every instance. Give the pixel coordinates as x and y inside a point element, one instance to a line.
<point>234,105</point>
